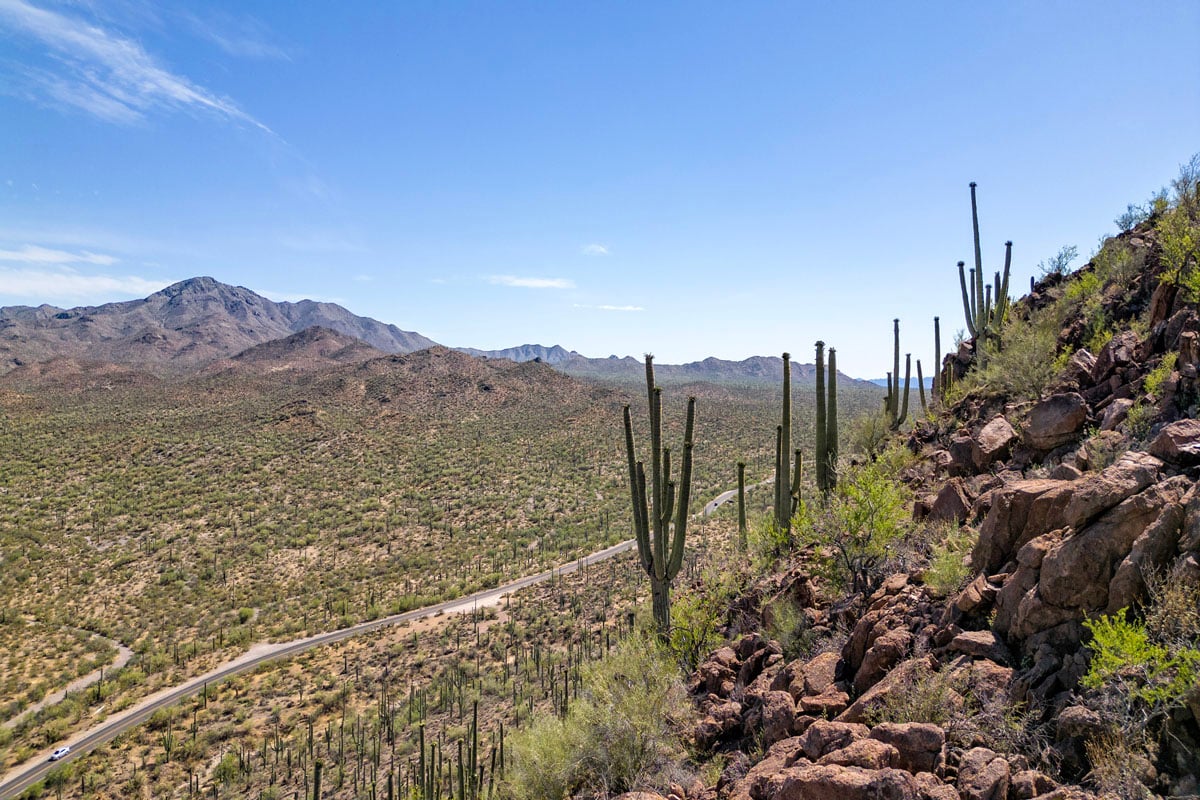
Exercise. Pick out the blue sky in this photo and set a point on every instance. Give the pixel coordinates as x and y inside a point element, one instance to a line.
<point>688,179</point>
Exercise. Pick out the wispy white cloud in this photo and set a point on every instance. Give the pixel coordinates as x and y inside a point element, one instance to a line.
<point>363,278</point>
<point>594,249</point>
<point>531,283</point>
<point>611,308</point>
<point>65,285</point>
<point>104,73</point>
<point>33,254</point>
<point>241,35</point>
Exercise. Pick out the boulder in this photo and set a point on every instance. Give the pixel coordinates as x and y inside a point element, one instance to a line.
<point>1079,368</point>
<point>885,652</point>
<point>1055,421</point>
<point>980,644</point>
<point>1178,443</point>
<point>951,503</point>
<point>993,442</point>
<point>1076,573</point>
<point>918,744</point>
<point>1152,552</point>
<point>1120,352</point>
<point>983,775</point>
<point>825,736</point>
<point>778,714</point>
<point>1028,784</point>
<point>722,722</point>
<point>1115,413</point>
<point>865,753</point>
<point>824,781</point>
<point>1130,474</point>
<point>820,672</point>
<point>904,674</point>
<point>827,704</point>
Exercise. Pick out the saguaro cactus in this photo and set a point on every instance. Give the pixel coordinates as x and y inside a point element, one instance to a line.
<point>827,420</point>
<point>783,452</point>
<point>984,316</point>
<point>822,442</point>
<point>741,467</point>
<point>897,409</point>
<point>831,423</point>
<point>652,514</point>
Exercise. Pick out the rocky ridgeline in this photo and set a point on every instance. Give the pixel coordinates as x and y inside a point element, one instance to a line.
<point>1072,513</point>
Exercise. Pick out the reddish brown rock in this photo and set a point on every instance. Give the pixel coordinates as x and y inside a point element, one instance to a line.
<point>824,736</point>
<point>1130,474</point>
<point>1028,784</point>
<point>820,672</point>
<point>1076,573</point>
<point>778,716</point>
<point>1120,352</point>
<point>1178,443</point>
<point>824,782</point>
<point>827,704</point>
<point>1079,368</point>
<point>1055,421</point>
<point>1115,413</point>
<point>885,652</point>
<point>723,721</point>
<point>914,669</point>
<point>983,775</point>
<point>993,442</point>
<point>865,753</point>
<point>951,503</point>
<point>980,644</point>
<point>932,788</point>
<point>1152,552</point>
<point>918,744</point>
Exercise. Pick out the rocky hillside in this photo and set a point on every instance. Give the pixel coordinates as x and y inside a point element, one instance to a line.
<point>184,326</point>
<point>1060,477</point>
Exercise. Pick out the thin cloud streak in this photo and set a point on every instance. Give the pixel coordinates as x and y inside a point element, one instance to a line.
<point>594,250</point>
<point>109,76</point>
<point>611,308</point>
<point>33,254</point>
<point>531,283</point>
<point>67,285</point>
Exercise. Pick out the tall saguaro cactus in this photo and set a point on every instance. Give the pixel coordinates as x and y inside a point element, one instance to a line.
<point>897,409</point>
<point>822,441</point>
<point>985,306</point>
<point>831,423</point>
<point>783,453</point>
<point>827,421</point>
<point>659,541</point>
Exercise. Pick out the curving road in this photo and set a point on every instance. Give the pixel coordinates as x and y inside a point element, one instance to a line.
<point>25,775</point>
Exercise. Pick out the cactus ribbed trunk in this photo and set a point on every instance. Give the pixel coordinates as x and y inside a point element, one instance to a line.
<point>937,358</point>
<point>831,423</point>
<point>742,503</point>
<point>822,440</point>
<point>783,449</point>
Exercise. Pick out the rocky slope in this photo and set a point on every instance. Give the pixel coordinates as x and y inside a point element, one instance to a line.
<point>1084,497</point>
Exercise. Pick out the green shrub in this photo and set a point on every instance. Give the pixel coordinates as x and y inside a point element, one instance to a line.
<point>1027,363</point>
<point>1142,676</point>
<point>1157,377</point>
<point>864,519</point>
<point>948,568</point>
<point>617,737</point>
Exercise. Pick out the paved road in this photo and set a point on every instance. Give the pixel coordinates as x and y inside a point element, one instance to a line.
<point>725,497</point>
<point>23,776</point>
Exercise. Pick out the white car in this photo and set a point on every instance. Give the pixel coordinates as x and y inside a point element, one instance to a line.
<point>59,753</point>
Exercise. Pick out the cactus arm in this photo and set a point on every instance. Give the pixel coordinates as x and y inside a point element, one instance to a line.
<point>907,381</point>
<point>642,522</point>
<point>896,365</point>
<point>831,422</point>
<point>822,442</point>
<point>655,398</point>
<point>785,446</point>
<point>921,387</point>
<point>978,253</point>
<point>967,312</point>
<point>937,357</point>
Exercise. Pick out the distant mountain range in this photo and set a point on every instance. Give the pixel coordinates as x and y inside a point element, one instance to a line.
<point>203,324</point>
<point>185,326</point>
